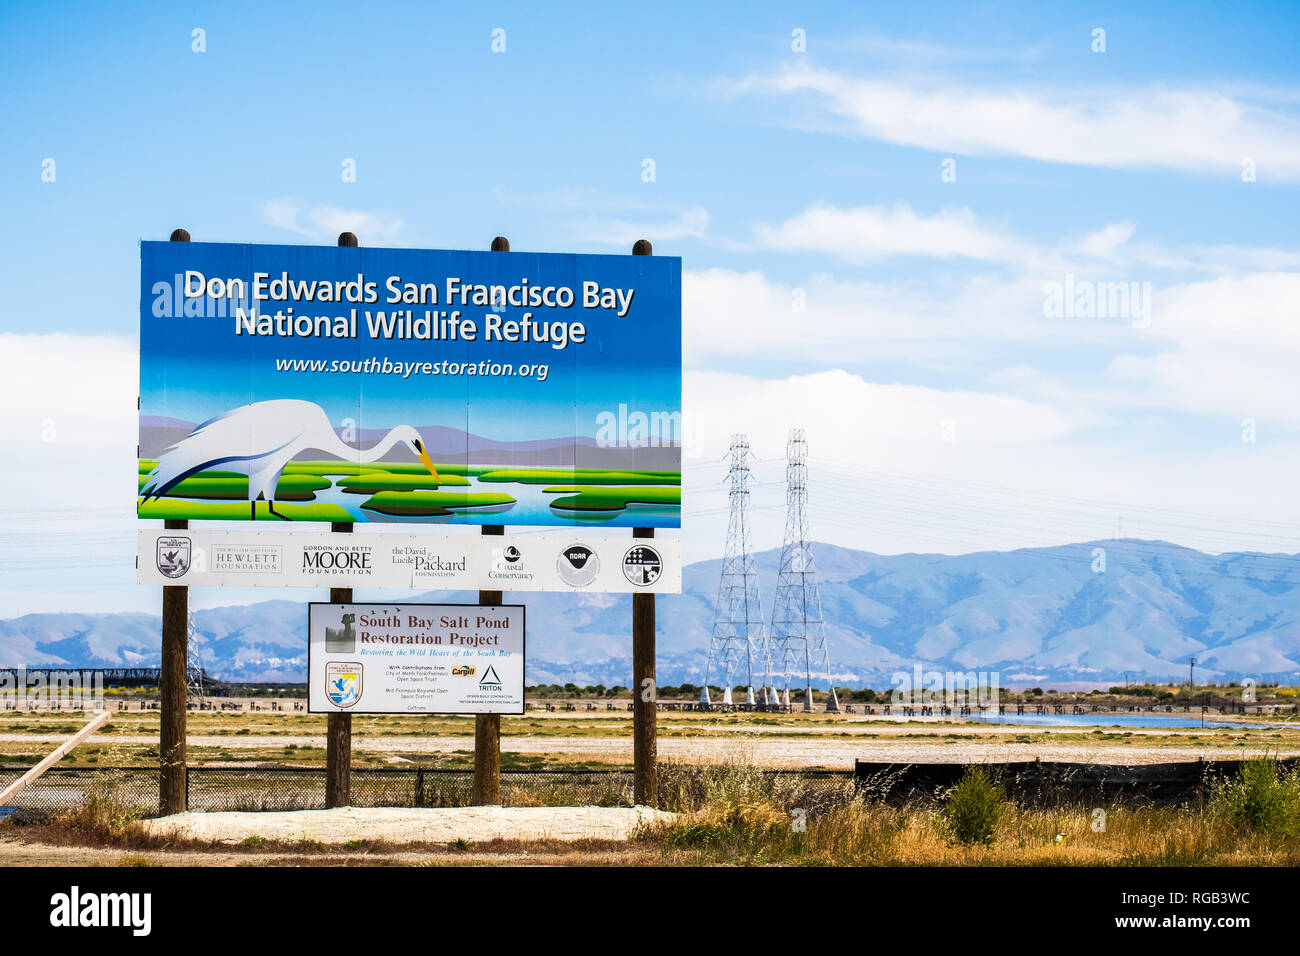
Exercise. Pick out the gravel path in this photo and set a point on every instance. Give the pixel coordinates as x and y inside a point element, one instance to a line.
<point>400,825</point>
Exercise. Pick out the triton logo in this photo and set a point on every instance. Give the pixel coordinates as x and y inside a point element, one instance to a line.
<point>490,681</point>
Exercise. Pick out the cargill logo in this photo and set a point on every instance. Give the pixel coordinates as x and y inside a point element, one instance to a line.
<point>490,680</point>
<point>75,908</point>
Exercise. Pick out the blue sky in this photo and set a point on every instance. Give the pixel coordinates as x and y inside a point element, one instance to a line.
<point>945,409</point>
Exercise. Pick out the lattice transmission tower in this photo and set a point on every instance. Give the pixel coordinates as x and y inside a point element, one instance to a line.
<point>738,643</point>
<point>798,637</point>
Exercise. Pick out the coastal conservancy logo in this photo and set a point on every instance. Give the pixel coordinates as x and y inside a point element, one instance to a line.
<point>173,556</point>
<point>490,681</point>
<point>509,563</point>
<point>578,565</point>
<point>343,683</point>
<point>642,565</point>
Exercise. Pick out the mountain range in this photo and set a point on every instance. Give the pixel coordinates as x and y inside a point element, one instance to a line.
<point>1095,611</point>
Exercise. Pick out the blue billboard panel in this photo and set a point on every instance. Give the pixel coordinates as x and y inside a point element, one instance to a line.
<point>306,383</point>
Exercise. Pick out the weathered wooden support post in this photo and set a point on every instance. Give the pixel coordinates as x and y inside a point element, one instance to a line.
<point>172,680</point>
<point>645,689</point>
<point>338,731</point>
<point>487,727</point>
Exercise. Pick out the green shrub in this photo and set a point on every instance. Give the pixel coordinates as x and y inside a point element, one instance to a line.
<point>1261,799</point>
<point>974,807</point>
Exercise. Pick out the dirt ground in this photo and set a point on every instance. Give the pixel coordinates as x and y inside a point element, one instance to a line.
<point>410,825</point>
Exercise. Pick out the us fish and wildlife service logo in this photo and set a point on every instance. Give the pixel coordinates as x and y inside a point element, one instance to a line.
<point>173,556</point>
<point>343,683</point>
<point>642,565</point>
<point>578,565</point>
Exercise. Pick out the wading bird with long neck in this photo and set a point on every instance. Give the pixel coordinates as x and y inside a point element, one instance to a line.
<point>260,440</point>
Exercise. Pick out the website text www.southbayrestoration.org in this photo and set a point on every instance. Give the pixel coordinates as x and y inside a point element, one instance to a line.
<point>386,366</point>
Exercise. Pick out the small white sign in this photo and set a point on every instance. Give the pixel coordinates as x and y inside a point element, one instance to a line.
<point>416,658</point>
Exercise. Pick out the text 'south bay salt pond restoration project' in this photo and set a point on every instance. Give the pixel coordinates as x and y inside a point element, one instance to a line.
<point>292,383</point>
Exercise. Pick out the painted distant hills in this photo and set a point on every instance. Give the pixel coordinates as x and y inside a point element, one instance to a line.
<point>1034,614</point>
<point>455,446</point>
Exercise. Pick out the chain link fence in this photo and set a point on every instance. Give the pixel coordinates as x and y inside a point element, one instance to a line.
<point>303,788</point>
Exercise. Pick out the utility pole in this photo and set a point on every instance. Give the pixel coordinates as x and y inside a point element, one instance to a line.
<point>738,614</point>
<point>797,625</point>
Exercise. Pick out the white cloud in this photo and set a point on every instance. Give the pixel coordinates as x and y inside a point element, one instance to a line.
<point>692,223</point>
<point>321,223</point>
<point>873,232</point>
<point>1104,242</point>
<point>1195,130</point>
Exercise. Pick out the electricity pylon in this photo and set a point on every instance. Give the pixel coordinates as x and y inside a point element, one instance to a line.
<point>738,640</point>
<point>798,635</point>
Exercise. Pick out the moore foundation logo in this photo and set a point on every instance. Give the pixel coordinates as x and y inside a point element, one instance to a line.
<point>330,558</point>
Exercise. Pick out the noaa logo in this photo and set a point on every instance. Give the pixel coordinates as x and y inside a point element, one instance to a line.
<point>642,565</point>
<point>343,683</point>
<point>578,565</point>
<point>173,556</point>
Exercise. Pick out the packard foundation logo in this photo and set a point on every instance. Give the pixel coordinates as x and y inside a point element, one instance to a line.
<point>173,556</point>
<point>578,565</point>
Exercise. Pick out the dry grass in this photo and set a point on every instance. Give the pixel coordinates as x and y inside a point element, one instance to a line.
<point>733,815</point>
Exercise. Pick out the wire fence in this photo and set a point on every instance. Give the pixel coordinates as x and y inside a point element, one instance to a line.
<point>303,788</point>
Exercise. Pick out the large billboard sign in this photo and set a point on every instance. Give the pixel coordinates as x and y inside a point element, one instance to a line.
<point>305,383</point>
<point>415,658</point>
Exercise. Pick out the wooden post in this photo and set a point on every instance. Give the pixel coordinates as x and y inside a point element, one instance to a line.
<point>486,791</point>
<point>338,730</point>
<point>645,689</point>
<point>172,679</point>
<point>487,727</point>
